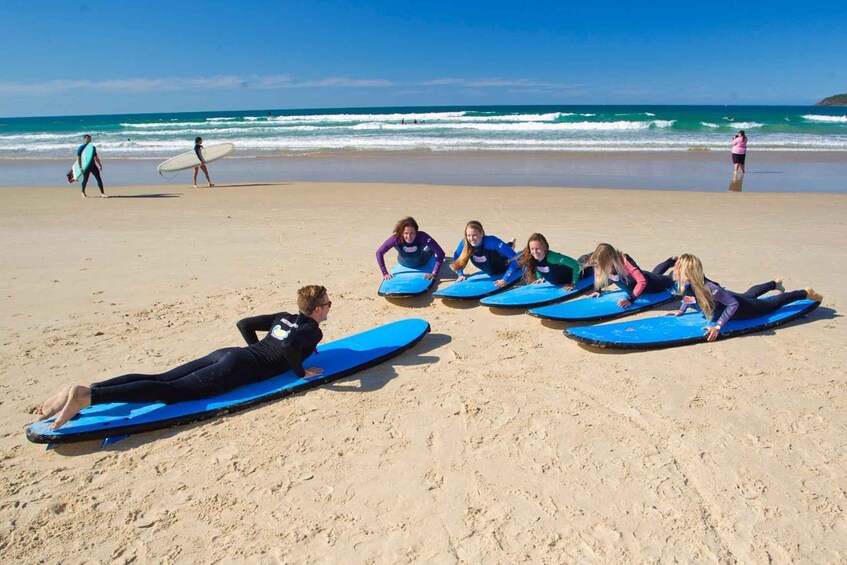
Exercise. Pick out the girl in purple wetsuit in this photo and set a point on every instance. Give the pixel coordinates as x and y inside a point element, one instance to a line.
<point>488,253</point>
<point>720,305</point>
<point>414,248</point>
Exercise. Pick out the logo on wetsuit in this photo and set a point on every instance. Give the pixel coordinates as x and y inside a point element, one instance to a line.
<point>614,277</point>
<point>410,249</point>
<point>480,259</point>
<point>689,299</point>
<point>542,269</point>
<point>278,333</point>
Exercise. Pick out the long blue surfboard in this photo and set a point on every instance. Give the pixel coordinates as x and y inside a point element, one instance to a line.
<point>476,286</point>
<point>604,307</point>
<point>338,359</point>
<point>408,281</point>
<point>669,331</point>
<point>530,295</point>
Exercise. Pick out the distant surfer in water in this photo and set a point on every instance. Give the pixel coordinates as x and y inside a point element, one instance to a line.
<point>414,249</point>
<point>488,253</point>
<point>94,167</point>
<point>719,305</point>
<point>290,340</point>
<point>198,150</point>
<point>612,266</point>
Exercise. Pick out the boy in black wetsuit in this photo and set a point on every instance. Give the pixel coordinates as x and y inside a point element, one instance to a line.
<point>290,340</point>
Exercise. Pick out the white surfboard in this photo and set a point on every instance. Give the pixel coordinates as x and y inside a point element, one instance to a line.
<point>189,159</point>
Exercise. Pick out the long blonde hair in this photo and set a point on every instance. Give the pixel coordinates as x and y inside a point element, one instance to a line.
<point>467,250</point>
<point>689,267</point>
<point>606,259</point>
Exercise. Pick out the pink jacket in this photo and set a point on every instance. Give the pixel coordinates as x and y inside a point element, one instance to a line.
<point>739,145</point>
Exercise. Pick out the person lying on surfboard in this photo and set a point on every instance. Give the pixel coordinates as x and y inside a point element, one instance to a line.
<point>488,253</point>
<point>290,340</point>
<point>540,264</point>
<point>414,249</point>
<point>720,305</point>
<point>613,266</point>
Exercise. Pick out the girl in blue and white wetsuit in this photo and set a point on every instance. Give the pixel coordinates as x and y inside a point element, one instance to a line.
<point>488,253</point>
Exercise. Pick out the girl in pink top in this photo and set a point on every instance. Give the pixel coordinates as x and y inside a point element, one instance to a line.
<point>739,152</point>
<point>612,266</point>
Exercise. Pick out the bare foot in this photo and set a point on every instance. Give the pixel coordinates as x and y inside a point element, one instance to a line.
<point>211,184</point>
<point>195,186</point>
<point>83,195</point>
<point>512,243</point>
<point>53,404</point>
<point>78,398</point>
<point>812,295</point>
<point>104,196</point>
<point>778,286</point>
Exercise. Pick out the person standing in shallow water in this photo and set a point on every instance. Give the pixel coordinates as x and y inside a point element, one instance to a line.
<point>739,153</point>
<point>198,150</point>
<point>94,167</point>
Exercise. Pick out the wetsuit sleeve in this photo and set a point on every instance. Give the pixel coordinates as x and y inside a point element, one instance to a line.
<point>383,249</point>
<point>565,261</point>
<point>500,246</point>
<point>300,340</point>
<point>456,254</point>
<point>249,326</point>
<point>729,302</point>
<point>636,275</point>
<point>436,249</point>
<point>199,153</point>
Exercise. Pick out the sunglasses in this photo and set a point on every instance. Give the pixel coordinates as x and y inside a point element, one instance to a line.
<point>329,304</point>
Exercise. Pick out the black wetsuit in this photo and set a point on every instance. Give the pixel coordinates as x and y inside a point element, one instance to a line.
<point>290,340</point>
<point>92,169</point>
<point>657,281</point>
<point>198,150</point>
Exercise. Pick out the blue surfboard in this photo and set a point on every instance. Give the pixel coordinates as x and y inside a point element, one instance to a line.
<point>604,307</point>
<point>86,157</point>
<point>669,331</point>
<point>338,359</point>
<point>537,294</point>
<point>408,281</point>
<point>476,286</point>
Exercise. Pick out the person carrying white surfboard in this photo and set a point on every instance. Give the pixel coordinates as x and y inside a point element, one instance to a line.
<point>94,166</point>
<point>198,150</point>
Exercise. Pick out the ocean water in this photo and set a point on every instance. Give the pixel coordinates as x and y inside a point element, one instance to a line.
<point>438,129</point>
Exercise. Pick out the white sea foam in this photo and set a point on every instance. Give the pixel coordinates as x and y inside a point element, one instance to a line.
<point>709,125</point>
<point>746,125</point>
<point>825,119</point>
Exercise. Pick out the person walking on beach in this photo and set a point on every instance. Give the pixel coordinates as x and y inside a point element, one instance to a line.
<point>290,340</point>
<point>198,150</point>
<point>739,152</point>
<point>94,167</point>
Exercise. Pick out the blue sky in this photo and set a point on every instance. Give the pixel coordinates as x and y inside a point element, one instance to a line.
<point>93,57</point>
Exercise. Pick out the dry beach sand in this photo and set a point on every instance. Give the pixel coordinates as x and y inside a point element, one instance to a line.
<point>494,440</point>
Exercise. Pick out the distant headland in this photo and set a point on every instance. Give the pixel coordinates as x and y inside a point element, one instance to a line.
<point>837,100</point>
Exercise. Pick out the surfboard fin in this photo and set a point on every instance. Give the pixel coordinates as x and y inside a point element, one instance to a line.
<point>49,446</point>
<point>114,439</point>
